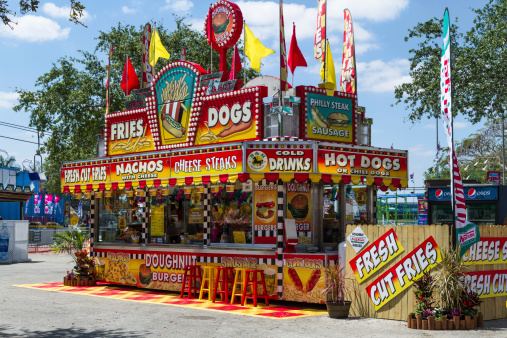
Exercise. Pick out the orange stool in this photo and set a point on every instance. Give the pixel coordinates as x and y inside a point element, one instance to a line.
<point>251,279</point>
<point>189,285</point>
<point>239,278</point>
<point>209,277</point>
<point>224,279</point>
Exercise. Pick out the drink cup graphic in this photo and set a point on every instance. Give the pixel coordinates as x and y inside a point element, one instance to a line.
<point>270,276</point>
<point>101,266</point>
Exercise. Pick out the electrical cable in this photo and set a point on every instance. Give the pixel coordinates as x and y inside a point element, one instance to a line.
<point>17,139</point>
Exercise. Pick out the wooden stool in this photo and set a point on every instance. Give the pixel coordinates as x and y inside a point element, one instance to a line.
<point>224,279</point>
<point>239,279</point>
<point>192,274</point>
<point>251,280</point>
<point>207,276</point>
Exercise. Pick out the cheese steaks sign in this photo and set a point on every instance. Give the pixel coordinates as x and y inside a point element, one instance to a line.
<point>489,250</point>
<point>221,162</point>
<point>403,274</point>
<point>386,165</point>
<point>279,160</point>
<point>375,256</point>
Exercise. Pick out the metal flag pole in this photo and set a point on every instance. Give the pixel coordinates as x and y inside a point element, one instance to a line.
<point>325,47</point>
<point>244,52</point>
<point>280,114</point>
<point>293,24</point>
<point>209,28</point>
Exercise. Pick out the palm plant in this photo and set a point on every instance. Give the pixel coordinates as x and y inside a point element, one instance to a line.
<point>69,242</point>
<point>447,281</point>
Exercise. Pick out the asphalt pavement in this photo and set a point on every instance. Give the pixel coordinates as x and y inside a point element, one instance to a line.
<point>26,312</point>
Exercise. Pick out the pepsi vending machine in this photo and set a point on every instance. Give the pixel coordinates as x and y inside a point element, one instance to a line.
<point>481,200</point>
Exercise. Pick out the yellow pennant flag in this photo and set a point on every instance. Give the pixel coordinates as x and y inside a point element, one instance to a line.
<point>157,49</point>
<point>327,70</point>
<point>255,50</point>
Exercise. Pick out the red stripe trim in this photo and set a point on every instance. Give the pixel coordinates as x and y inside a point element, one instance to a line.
<point>189,180</point>
<point>301,177</point>
<point>271,177</point>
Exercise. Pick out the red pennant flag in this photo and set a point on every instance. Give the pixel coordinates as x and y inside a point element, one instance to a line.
<point>296,58</point>
<point>236,64</point>
<point>129,80</point>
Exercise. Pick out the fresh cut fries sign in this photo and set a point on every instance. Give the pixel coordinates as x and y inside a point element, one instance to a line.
<point>374,257</point>
<point>403,274</point>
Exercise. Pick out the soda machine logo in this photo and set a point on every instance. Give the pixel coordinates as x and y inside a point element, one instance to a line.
<point>439,194</point>
<point>472,193</point>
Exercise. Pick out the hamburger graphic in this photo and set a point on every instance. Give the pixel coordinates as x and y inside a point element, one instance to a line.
<point>220,23</point>
<point>338,119</point>
<point>298,207</point>
<point>265,207</point>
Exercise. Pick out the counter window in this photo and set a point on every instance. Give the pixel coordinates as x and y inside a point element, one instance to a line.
<point>231,213</point>
<point>120,214</point>
<point>331,221</point>
<point>177,215</point>
<point>355,204</point>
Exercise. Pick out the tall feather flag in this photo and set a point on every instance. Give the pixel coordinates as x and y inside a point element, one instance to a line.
<point>295,58</point>
<point>236,64</point>
<point>108,79</point>
<point>129,80</point>
<point>157,49</point>
<point>255,50</point>
<point>348,83</point>
<point>147,70</point>
<point>320,32</point>
<point>283,53</point>
<point>327,72</point>
<point>467,233</point>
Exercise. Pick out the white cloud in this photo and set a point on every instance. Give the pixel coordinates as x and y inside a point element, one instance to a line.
<point>8,99</point>
<point>429,126</point>
<point>420,150</point>
<point>56,12</point>
<point>378,76</point>
<point>178,5</point>
<point>373,10</point>
<point>127,10</point>
<point>460,125</point>
<point>33,28</point>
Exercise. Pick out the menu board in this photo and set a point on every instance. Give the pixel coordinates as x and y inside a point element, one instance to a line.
<point>299,199</point>
<point>265,207</point>
<point>157,220</point>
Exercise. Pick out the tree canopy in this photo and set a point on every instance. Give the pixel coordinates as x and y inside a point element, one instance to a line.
<point>478,153</point>
<point>27,6</point>
<point>69,100</point>
<point>479,67</point>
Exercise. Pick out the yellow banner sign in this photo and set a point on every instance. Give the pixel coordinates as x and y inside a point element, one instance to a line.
<point>489,250</point>
<point>403,274</point>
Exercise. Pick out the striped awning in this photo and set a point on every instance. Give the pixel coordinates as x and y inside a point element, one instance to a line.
<point>383,183</point>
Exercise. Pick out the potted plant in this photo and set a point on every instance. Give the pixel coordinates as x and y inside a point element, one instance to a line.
<point>72,243</point>
<point>335,287</point>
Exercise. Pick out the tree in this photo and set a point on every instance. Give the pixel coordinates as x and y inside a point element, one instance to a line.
<point>478,153</point>
<point>70,98</point>
<point>479,62</point>
<point>8,162</point>
<point>27,6</point>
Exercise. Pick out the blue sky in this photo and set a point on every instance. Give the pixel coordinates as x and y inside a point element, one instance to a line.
<point>382,55</point>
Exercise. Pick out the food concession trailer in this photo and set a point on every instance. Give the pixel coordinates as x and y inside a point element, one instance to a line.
<point>196,174</point>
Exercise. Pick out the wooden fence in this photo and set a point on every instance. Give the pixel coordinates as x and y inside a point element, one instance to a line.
<point>410,236</point>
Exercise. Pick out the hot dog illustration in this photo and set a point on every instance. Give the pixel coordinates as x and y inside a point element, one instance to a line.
<point>314,279</point>
<point>295,279</point>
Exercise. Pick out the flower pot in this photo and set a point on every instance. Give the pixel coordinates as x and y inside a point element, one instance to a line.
<point>409,321</point>
<point>338,310</point>
<point>468,322</point>
<point>65,281</point>
<point>85,281</point>
<point>480,320</point>
<point>438,325</point>
<point>425,324</point>
<point>419,322</point>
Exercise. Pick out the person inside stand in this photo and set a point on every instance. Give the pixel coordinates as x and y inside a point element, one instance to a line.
<point>1,218</point>
<point>330,209</point>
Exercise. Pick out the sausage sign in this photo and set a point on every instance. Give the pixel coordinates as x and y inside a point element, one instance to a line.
<point>403,274</point>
